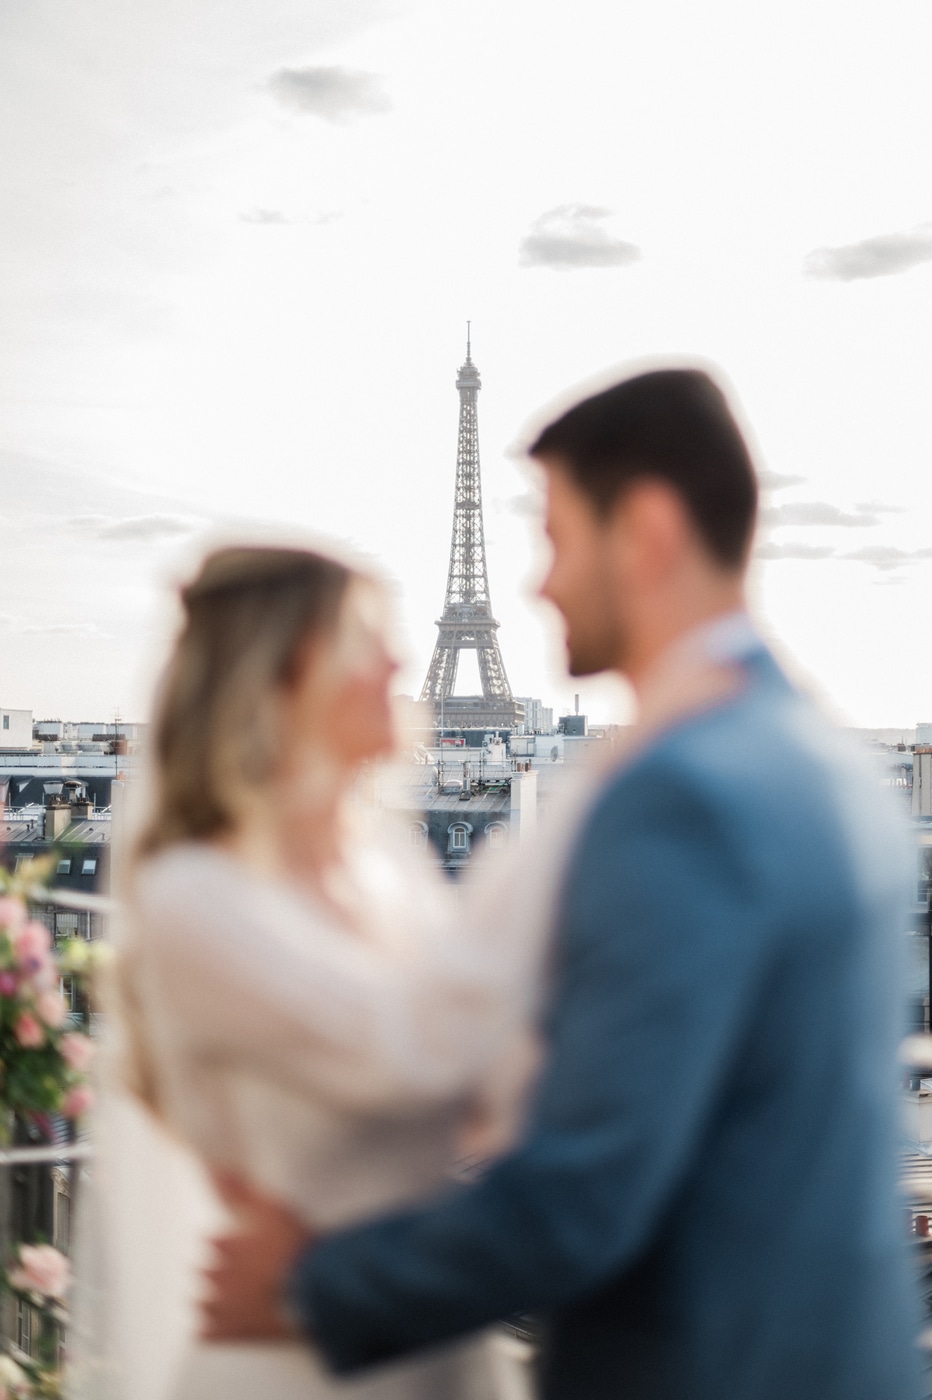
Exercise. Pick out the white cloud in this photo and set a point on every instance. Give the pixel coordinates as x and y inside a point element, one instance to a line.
<point>335,94</point>
<point>573,236</point>
<point>886,556</point>
<point>816,513</point>
<point>264,216</point>
<point>882,256</point>
<point>24,627</point>
<point>778,481</point>
<point>796,549</point>
<point>136,527</point>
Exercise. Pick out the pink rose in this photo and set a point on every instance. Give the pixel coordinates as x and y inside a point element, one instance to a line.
<point>77,1101</point>
<point>33,945</point>
<point>12,912</point>
<point>28,1031</point>
<point>77,1051</point>
<point>43,1269</point>
<point>8,984</point>
<point>51,1008</point>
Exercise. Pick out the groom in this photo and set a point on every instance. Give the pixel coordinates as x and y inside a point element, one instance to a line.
<point>703,1205</point>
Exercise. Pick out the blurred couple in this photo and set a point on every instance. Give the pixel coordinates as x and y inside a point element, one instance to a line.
<point>671,1030</point>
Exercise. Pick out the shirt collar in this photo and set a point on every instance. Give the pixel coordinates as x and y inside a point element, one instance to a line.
<point>725,641</point>
<point>731,637</point>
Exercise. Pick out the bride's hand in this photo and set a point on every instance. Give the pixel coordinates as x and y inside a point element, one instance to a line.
<point>247,1283</point>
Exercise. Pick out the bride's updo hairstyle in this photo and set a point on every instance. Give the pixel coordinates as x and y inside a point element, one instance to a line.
<point>249,616</point>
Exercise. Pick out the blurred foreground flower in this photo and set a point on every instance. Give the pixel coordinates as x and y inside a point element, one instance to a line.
<point>28,1032</point>
<point>12,916</point>
<point>43,1270</point>
<point>14,1383</point>
<point>78,1101</point>
<point>44,1055</point>
<point>77,1051</point>
<point>72,957</point>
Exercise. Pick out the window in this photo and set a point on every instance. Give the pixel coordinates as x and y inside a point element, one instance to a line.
<point>459,839</point>
<point>417,835</point>
<point>61,1210</point>
<point>71,923</point>
<point>89,867</point>
<point>6,721</point>
<point>25,1317</point>
<point>496,836</point>
<point>64,867</point>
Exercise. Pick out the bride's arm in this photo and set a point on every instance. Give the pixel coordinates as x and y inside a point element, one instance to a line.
<point>242,973</point>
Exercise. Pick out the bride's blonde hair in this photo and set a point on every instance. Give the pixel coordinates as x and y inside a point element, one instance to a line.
<point>250,614</point>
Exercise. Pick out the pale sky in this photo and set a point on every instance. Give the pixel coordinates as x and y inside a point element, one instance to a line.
<point>240,243</point>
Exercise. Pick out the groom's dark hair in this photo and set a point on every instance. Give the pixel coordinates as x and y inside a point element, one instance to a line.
<point>673,425</point>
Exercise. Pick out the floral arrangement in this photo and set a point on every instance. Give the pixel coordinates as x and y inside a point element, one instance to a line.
<point>45,1059</point>
<point>44,1056</point>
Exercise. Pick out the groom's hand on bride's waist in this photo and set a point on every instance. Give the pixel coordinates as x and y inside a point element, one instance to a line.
<point>252,1263</point>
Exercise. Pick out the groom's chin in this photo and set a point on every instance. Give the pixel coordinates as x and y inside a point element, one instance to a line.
<point>583,664</point>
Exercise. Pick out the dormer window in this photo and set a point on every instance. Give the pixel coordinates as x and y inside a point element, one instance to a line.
<point>417,835</point>
<point>496,836</point>
<point>458,841</point>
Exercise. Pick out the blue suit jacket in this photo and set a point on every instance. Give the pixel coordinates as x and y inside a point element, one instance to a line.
<point>704,1204</point>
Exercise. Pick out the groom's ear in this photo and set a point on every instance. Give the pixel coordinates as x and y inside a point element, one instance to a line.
<point>649,530</point>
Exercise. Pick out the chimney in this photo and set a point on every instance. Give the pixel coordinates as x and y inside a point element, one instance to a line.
<point>82,809</point>
<point>57,818</point>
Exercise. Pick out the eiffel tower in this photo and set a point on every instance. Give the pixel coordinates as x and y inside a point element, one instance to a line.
<point>467,622</point>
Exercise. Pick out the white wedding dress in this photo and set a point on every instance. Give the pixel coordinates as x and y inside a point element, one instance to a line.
<point>333,1066</point>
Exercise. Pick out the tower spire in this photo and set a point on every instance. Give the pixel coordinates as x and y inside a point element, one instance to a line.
<point>467,623</point>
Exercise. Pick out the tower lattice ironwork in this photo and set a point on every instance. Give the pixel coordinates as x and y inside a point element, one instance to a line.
<point>467,623</point>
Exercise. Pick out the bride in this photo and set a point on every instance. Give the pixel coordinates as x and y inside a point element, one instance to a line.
<point>300,1004</point>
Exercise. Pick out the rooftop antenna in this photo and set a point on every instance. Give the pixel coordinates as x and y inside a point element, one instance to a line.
<point>468,339</point>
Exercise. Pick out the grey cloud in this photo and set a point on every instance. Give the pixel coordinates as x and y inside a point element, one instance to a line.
<point>134,527</point>
<point>60,629</point>
<point>815,513</point>
<point>264,216</point>
<point>881,256</point>
<point>575,235</point>
<point>332,93</point>
<point>797,549</point>
<point>778,481</point>
<point>878,508</point>
<point>20,625</point>
<point>886,556</point>
<point>528,503</point>
<point>276,218</point>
